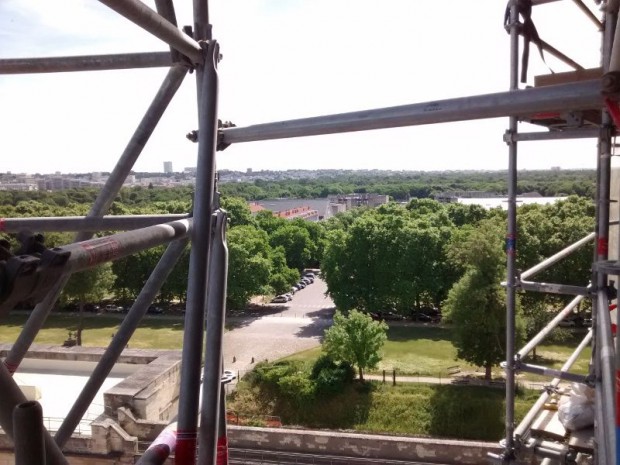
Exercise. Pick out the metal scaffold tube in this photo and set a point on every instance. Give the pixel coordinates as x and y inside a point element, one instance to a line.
<point>140,14</point>
<point>511,243</point>
<point>527,348</point>
<point>59,262</point>
<point>84,223</point>
<point>565,97</point>
<point>557,257</point>
<point>216,308</point>
<point>531,415</point>
<point>10,397</point>
<point>120,340</point>
<point>29,434</point>
<point>84,63</point>
<point>102,203</point>
<point>199,258</point>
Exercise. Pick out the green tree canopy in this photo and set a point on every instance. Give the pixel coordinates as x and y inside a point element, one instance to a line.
<point>356,339</point>
<point>476,305</point>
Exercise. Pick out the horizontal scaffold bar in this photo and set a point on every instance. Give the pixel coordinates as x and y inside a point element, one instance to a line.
<point>566,97</point>
<point>82,223</point>
<point>84,63</point>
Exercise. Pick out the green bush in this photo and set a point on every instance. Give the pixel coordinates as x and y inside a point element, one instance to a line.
<point>331,377</point>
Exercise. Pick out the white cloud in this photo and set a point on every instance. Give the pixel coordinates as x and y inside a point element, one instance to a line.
<point>282,59</point>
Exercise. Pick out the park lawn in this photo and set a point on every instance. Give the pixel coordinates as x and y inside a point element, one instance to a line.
<point>427,351</point>
<point>153,333</point>
<point>412,409</point>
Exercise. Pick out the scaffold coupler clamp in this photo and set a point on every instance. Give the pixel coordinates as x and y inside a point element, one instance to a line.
<point>509,136</point>
<point>221,138</point>
<point>29,276</point>
<point>507,457</point>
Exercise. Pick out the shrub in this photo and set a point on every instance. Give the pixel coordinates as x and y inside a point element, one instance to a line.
<point>331,377</point>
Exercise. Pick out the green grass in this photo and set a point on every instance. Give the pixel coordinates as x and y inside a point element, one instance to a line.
<point>157,333</point>
<point>427,351</point>
<point>464,412</point>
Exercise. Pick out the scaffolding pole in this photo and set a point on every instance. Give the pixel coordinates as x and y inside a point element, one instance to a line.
<point>564,97</point>
<point>84,223</point>
<point>212,392</point>
<point>120,340</point>
<point>543,333</point>
<point>106,196</point>
<point>10,397</point>
<point>557,257</point>
<point>207,81</point>
<point>531,415</point>
<point>511,243</point>
<point>84,63</point>
<point>29,434</point>
<point>141,15</point>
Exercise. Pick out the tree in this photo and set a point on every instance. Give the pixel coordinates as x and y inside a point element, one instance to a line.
<point>89,286</point>
<point>355,339</point>
<point>296,242</point>
<point>249,264</point>
<point>476,304</point>
<point>238,211</point>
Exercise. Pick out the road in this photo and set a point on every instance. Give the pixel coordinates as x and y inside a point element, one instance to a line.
<point>278,330</point>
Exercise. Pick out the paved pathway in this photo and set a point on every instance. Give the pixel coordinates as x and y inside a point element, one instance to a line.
<point>278,330</point>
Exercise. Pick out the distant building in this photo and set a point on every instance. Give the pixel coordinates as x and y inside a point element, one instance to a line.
<point>168,167</point>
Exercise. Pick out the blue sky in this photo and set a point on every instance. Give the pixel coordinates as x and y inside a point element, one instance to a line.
<point>283,59</point>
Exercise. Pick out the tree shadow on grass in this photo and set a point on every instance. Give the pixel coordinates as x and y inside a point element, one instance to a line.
<point>406,333</point>
<point>340,411</point>
<point>245,317</point>
<point>467,412</point>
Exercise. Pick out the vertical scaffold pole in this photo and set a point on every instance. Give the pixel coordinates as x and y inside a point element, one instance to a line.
<point>207,81</point>
<point>606,434</point>
<point>511,241</point>
<point>28,434</point>
<point>212,392</point>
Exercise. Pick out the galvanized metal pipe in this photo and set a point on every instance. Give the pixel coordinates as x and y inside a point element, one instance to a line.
<point>606,354</point>
<point>166,9</point>
<point>161,448</point>
<point>551,372</point>
<point>531,415</point>
<point>106,196</point>
<point>212,393</point>
<point>527,348</point>
<point>199,259</point>
<point>566,97</point>
<point>120,340</point>
<point>511,243</point>
<point>84,63</point>
<point>10,397</point>
<point>140,14</point>
<point>586,133</point>
<point>552,288</point>
<point>591,16</point>
<point>84,223</point>
<point>29,434</point>
<point>558,256</point>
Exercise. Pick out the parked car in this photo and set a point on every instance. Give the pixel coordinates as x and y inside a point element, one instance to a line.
<point>294,289</point>
<point>567,323</point>
<point>111,308</point>
<point>288,295</point>
<point>279,299</point>
<point>301,284</point>
<point>155,310</point>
